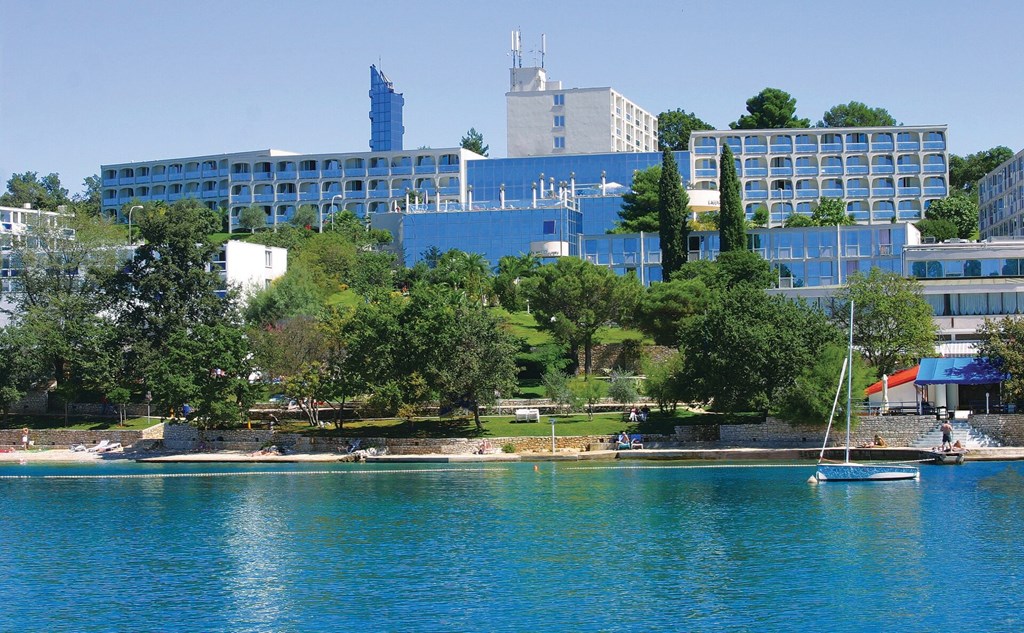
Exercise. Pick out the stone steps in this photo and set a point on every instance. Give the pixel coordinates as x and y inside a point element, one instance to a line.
<point>968,436</point>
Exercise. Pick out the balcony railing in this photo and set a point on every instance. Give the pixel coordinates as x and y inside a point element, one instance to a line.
<point>856,170</point>
<point>756,194</point>
<point>935,145</point>
<point>755,171</point>
<point>910,191</point>
<point>857,192</point>
<point>934,191</point>
<point>706,173</point>
<point>806,148</point>
<point>806,193</point>
<point>756,149</point>
<point>806,171</point>
<point>883,169</point>
<point>883,191</point>
<point>705,149</point>
<point>781,171</point>
<point>309,175</point>
<point>782,148</point>
<point>908,169</point>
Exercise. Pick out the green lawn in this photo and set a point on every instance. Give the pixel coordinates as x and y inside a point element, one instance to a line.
<point>75,422</point>
<point>346,298</point>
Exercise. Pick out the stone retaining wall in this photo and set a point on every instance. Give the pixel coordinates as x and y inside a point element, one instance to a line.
<point>896,430</point>
<point>65,438</point>
<point>1005,428</point>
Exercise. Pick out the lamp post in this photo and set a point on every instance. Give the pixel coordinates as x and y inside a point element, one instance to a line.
<point>137,206</point>
<point>333,213</point>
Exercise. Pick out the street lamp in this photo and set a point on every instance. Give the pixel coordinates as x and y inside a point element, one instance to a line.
<point>333,213</point>
<point>138,206</point>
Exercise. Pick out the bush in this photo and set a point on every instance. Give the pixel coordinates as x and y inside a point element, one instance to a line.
<point>508,448</point>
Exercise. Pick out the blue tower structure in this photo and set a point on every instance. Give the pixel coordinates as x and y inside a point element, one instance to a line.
<point>386,127</point>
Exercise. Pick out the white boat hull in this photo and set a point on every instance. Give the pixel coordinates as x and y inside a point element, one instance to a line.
<point>866,472</point>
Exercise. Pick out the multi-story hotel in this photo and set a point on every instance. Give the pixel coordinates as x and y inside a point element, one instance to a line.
<point>1001,199</point>
<point>278,182</point>
<point>883,174</point>
<point>544,118</point>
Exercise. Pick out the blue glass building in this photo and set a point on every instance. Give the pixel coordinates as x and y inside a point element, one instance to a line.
<point>386,127</point>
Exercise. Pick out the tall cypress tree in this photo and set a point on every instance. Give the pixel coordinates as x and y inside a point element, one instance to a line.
<point>731,221</point>
<point>673,204</point>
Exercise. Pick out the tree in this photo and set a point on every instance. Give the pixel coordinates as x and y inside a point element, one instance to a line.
<point>1002,343</point>
<point>798,220</point>
<point>589,392</point>
<point>809,400</point>
<point>306,216</point>
<point>731,221</point>
<point>22,367</point>
<point>769,109</point>
<point>572,298</point>
<point>89,203</point>
<point>892,323</point>
<point>182,340</point>
<point>941,230</point>
<point>251,218</point>
<point>474,142</point>
<point>831,212</point>
<point>460,348</point>
<point>966,171</point>
<point>673,208</point>
<point>748,347</point>
<point>639,211</point>
<point>42,193</point>
<point>856,114</point>
<point>674,127</point>
<point>512,271</point>
<point>664,382</point>
<point>665,306</point>
<point>959,209</point>
<point>622,388</point>
<point>730,270</point>
<point>58,301</point>
<point>557,389</point>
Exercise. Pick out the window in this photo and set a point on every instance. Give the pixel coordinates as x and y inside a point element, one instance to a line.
<point>549,227</point>
<point>559,142</point>
<point>559,120</point>
<point>559,100</point>
<point>268,257</point>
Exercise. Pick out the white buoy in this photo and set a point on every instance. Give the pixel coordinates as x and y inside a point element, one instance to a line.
<point>812,479</point>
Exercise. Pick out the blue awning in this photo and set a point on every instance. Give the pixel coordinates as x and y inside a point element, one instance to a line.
<point>958,371</point>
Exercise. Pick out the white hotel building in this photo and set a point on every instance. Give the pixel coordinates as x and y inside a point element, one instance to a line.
<point>881,173</point>
<point>1001,200</point>
<point>544,118</point>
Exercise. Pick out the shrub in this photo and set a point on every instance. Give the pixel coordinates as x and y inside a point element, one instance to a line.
<point>508,448</point>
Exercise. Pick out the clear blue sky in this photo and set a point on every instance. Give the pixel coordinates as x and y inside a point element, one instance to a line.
<point>86,83</point>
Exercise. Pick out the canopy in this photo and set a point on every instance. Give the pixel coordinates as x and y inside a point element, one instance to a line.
<point>895,380</point>
<point>957,371</point>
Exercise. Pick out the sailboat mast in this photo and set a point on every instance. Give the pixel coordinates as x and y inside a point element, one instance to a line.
<point>849,383</point>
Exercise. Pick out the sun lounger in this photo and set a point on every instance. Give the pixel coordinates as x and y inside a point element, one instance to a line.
<point>636,441</point>
<point>105,446</point>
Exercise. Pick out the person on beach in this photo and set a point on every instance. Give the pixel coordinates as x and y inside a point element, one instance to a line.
<point>24,438</point>
<point>947,436</point>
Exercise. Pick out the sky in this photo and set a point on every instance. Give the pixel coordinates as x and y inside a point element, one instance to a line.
<point>104,81</point>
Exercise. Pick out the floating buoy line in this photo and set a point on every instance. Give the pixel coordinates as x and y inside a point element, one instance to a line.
<point>255,472</point>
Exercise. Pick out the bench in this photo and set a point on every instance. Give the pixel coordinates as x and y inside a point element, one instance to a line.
<point>527,415</point>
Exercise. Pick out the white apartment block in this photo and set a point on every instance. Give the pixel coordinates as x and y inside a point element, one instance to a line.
<point>1001,200</point>
<point>249,267</point>
<point>882,174</point>
<point>544,118</point>
<point>278,181</point>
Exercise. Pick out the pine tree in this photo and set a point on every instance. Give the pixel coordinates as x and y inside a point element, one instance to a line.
<point>673,205</point>
<point>732,223</point>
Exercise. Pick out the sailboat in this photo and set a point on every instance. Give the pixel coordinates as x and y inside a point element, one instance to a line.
<point>847,470</point>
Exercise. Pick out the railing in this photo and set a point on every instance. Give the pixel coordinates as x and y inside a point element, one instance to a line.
<point>755,194</point>
<point>935,145</point>
<point>910,146</point>
<point>781,149</point>
<point>883,191</point>
<point>756,149</point>
<point>831,193</point>
<point>884,146</point>
<point>831,147</point>
<point>806,171</point>
<point>806,148</point>
<point>856,170</point>
<point>883,169</point>
<point>781,171</point>
<point>857,192</point>
<point>935,169</point>
<point>755,171</point>
<point>806,193</point>
<point>286,175</point>
<point>309,174</point>
<point>934,191</point>
<point>856,147</point>
<point>832,170</point>
<point>402,170</point>
<point>909,191</point>
<point>705,150</point>
<point>908,169</point>
<point>706,173</point>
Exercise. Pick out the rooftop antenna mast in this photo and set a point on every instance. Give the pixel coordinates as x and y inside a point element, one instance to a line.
<point>517,49</point>
<point>543,48</point>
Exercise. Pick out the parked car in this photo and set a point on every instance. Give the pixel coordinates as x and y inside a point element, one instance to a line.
<point>283,400</point>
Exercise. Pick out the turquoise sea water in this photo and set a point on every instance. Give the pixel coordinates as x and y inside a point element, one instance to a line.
<point>565,547</point>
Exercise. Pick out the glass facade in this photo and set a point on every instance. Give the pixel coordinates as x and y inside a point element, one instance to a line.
<point>386,128</point>
<point>492,233</point>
